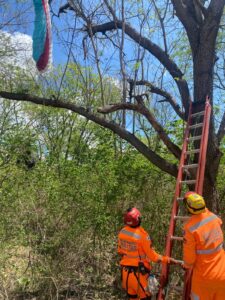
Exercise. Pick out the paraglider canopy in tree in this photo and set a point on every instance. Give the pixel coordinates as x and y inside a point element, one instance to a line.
<point>42,44</point>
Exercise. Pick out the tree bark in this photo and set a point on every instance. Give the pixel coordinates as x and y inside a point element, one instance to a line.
<point>202,27</point>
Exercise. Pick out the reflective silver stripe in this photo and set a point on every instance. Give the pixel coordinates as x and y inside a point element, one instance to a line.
<point>203,222</point>
<point>210,251</point>
<point>194,296</point>
<point>135,256</point>
<point>132,234</point>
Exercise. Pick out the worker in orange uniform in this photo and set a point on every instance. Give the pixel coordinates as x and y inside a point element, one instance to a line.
<point>203,250</point>
<point>135,248</point>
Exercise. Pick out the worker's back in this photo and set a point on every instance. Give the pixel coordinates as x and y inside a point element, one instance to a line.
<point>203,246</point>
<point>130,242</point>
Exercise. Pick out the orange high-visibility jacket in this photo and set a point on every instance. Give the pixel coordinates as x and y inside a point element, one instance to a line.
<point>203,247</point>
<point>134,244</point>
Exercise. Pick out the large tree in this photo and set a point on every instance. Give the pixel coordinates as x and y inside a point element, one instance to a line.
<point>166,52</point>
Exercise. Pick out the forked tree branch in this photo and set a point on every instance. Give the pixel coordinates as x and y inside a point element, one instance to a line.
<point>194,17</point>
<point>168,98</point>
<point>216,8</point>
<point>154,158</point>
<point>155,50</point>
<point>202,7</point>
<point>142,109</point>
<point>187,19</point>
<point>144,42</point>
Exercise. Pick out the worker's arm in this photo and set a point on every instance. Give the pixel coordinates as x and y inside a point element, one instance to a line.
<point>189,249</point>
<point>151,253</point>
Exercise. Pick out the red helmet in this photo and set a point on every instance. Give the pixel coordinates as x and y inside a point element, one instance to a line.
<point>132,217</point>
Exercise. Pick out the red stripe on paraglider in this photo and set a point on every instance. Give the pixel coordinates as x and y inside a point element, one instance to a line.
<point>42,63</point>
<point>44,58</point>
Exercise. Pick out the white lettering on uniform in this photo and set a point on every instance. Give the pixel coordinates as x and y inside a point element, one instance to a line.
<point>129,246</point>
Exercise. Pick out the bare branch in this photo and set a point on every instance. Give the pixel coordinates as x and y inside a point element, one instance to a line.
<point>142,109</point>
<point>158,91</point>
<point>202,7</point>
<point>117,106</point>
<point>194,16</point>
<point>144,42</point>
<point>216,8</point>
<point>154,158</point>
<point>154,49</point>
<point>122,63</point>
<point>111,10</point>
<point>64,8</point>
<point>187,18</point>
<point>94,46</point>
<point>77,8</point>
<point>162,26</point>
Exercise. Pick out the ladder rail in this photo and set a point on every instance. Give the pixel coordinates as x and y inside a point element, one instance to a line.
<point>199,182</point>
<point>200,170</point>
<point>203,149</point>
<point>165,267</point>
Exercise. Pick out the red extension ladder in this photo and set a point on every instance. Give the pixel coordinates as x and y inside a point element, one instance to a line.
<point>190,176</point>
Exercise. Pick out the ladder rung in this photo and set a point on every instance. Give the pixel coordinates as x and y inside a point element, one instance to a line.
<point>188,181</point>
<point>180,198</point>
<point>182,218</point>
<point>200,113</point>
<point>177,238</point>
<point>195,138</point>
<point>176,288</point>
<point>191,166</point>
<point>192,151</point>
<point>196,125</point>
<point>180,261</point>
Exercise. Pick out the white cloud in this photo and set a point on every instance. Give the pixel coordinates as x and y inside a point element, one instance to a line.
<point>16,50</point>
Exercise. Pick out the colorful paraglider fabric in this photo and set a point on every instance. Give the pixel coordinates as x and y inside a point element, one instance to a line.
<point>42,44</point>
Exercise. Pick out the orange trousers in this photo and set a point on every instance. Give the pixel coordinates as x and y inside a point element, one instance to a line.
<point>135,284</point>
<point>202,290</point>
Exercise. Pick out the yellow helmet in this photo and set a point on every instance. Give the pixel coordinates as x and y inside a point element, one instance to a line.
<point>194,203</point>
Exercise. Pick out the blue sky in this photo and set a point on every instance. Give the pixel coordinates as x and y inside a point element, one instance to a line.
<point>109,60</point>
<point>19,17</point>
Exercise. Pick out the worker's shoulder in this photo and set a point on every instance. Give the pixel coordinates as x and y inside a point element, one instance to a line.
<point>139,231</point>
<point>211,216</point>
<point>127,229</point>
<point>123,229</point>
<point>192,220</point>
<point>143,232</point>
<point>210,213</point>
<point>198,220</point>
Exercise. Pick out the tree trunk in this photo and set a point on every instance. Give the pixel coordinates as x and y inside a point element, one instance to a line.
<point>203,68</point>
<point>211,195</point>
<point>211,172</point>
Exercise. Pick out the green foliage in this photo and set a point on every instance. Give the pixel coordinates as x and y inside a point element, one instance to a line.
<point>59,219</point>
<point>220,183</point>
<point>79,85</point>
